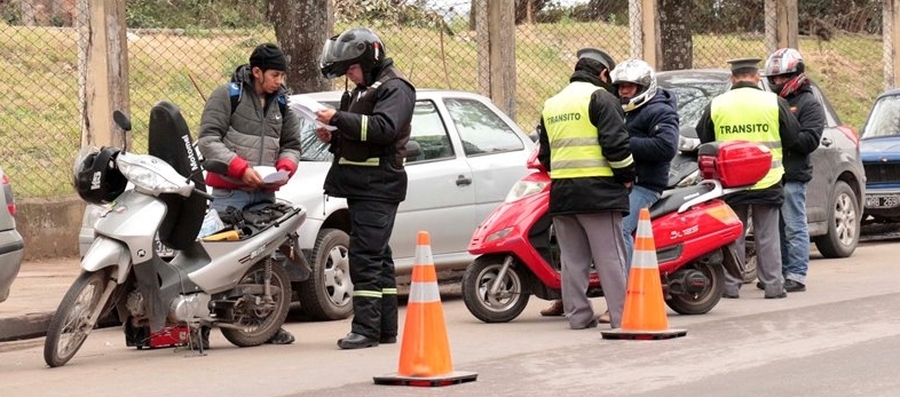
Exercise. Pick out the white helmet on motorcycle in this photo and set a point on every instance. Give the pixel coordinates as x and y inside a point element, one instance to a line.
<point>637,72</point>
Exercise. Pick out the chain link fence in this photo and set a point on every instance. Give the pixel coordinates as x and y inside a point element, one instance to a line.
<point>41,119</point>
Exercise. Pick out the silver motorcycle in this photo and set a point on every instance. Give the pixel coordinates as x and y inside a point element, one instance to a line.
<point>238,280</point>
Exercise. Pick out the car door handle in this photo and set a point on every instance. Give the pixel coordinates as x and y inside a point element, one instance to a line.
<point>826,142</point>
<point>463,181</point>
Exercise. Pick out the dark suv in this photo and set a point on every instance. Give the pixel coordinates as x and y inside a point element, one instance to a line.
<point>836,190</point>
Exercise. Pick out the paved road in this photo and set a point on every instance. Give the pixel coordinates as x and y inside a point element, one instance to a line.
<point>839,338</point>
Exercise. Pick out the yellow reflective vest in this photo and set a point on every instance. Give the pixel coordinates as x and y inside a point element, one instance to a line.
<point>750,114</point>
<point>574,147</point>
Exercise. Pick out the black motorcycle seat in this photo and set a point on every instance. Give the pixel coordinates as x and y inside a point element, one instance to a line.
<point>674,198</point>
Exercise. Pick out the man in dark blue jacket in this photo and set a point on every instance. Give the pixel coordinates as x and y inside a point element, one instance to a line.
<point>651,118</point>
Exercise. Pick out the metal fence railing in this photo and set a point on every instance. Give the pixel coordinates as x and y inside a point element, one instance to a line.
<point>41,118</point>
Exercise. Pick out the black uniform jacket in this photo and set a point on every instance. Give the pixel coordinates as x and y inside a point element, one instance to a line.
<point>594,194</point>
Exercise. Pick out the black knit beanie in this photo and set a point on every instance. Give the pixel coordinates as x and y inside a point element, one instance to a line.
<point>268,56</point>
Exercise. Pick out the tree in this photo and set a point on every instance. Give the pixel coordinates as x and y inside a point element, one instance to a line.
<point>302,27</point>
<point>675,34</point>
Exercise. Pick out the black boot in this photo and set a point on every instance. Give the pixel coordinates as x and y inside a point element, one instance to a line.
<point>356,341</point>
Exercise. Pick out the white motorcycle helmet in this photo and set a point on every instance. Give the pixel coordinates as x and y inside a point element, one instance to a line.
<point>637,72</point>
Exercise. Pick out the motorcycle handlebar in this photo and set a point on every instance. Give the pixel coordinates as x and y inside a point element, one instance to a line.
<point>203,193</point>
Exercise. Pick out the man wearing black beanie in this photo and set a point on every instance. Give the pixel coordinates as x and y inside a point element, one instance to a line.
<point>246,124</point>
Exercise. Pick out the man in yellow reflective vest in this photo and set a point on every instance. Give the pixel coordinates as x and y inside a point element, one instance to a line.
<point>584,146</point>
<point>747,113</point>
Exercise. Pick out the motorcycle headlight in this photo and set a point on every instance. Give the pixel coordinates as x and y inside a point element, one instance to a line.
<point>151,174</point>
<point>524,188</point>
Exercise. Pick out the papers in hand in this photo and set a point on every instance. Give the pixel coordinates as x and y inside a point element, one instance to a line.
<point>307,107</point>
<point>270,175</point>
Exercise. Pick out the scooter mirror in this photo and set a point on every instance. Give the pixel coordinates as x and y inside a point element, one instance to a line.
<point>122,120</point>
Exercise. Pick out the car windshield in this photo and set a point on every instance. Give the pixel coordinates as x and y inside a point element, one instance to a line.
<point>313,148</point>
<point>693,94</point>
<point>884,120</point>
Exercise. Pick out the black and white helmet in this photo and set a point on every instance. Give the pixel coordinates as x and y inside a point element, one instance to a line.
<point>637,72</point>
<point>354,46</point>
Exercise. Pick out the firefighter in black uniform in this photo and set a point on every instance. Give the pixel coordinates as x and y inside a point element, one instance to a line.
<point>369,147</point>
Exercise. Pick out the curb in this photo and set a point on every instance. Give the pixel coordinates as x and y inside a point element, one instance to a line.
<point>27,326</point>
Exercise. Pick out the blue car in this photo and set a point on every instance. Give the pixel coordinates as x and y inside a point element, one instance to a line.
<point>880,151</point>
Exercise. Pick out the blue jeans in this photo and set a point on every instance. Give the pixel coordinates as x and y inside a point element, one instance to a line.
<point>239,199</point>
<point>795,232</point>
<point>640,197</point>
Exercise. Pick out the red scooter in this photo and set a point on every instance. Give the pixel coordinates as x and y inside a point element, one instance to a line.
<point>693,228</point>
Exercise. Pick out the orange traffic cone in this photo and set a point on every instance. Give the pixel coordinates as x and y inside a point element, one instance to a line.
<point>644,316</point>
<point>425,351</point>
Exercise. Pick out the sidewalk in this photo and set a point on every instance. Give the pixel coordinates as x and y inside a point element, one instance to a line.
<point>35,294</point>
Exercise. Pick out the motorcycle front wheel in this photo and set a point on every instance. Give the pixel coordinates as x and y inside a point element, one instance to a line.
<point>75,317</point>
<point>260,318</point>
<point>509,300</point>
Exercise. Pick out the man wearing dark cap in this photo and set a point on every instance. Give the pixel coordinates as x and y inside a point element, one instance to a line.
<point>584,146</point>
<point>747,113</point>
<point>246,124</point>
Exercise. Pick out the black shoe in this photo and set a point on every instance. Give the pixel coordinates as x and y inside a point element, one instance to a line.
<point>760,286</point>
<point>387,339</point>
<point>793,286</point>
<point>281,337</point>
<point>356,341</point>
<point>782,295</point>
<point>730,296</point>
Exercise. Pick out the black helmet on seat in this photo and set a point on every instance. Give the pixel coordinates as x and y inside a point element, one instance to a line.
<point>355,46</point>
<point>96,178</point>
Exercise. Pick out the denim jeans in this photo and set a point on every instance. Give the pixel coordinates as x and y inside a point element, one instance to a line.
<point>795,232</point>
<point>240,199</point>
<point>640,197</point>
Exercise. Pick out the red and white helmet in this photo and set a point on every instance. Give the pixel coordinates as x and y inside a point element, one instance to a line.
<point>784,61</point>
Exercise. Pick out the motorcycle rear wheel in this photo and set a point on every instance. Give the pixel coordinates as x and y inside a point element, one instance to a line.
<point>707,299</point>
<point>71,324</point>
<point>260,322</point>
<point>510,299</point>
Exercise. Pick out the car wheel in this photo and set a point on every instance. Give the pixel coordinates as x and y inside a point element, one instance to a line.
<point>326,295</point>
<point>843,225</point>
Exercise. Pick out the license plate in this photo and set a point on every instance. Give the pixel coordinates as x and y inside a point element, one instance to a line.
<point>882,201</point>
<point>162,250</point>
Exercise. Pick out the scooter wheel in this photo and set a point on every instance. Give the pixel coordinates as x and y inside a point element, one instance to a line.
<point>510,298</point>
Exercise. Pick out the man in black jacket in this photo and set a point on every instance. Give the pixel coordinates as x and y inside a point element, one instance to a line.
<point>747,113</point>
<point>785,71</point>
<point>369,147</point>
<point>584,146</point>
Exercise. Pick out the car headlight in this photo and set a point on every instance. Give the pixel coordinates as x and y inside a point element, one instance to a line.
<point>524,188</point>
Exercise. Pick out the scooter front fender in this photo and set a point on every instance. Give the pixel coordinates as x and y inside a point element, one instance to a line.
<point>105,252</point>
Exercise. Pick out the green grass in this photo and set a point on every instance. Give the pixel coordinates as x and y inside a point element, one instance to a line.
<point>40,120</point>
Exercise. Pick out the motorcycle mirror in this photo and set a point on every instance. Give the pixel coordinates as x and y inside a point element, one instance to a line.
<point>122,120</point>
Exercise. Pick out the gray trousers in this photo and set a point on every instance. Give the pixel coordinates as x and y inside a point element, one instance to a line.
<point>768,248</point>
<point>585,239</point>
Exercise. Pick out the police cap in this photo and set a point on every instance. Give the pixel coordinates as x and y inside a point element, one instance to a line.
<point>744,65</point>
<point>597,55</point>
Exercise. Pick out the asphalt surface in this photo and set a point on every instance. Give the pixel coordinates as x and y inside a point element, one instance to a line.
<point>41,285</point>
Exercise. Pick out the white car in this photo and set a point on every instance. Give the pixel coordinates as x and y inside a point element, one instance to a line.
<point>470,154</point>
